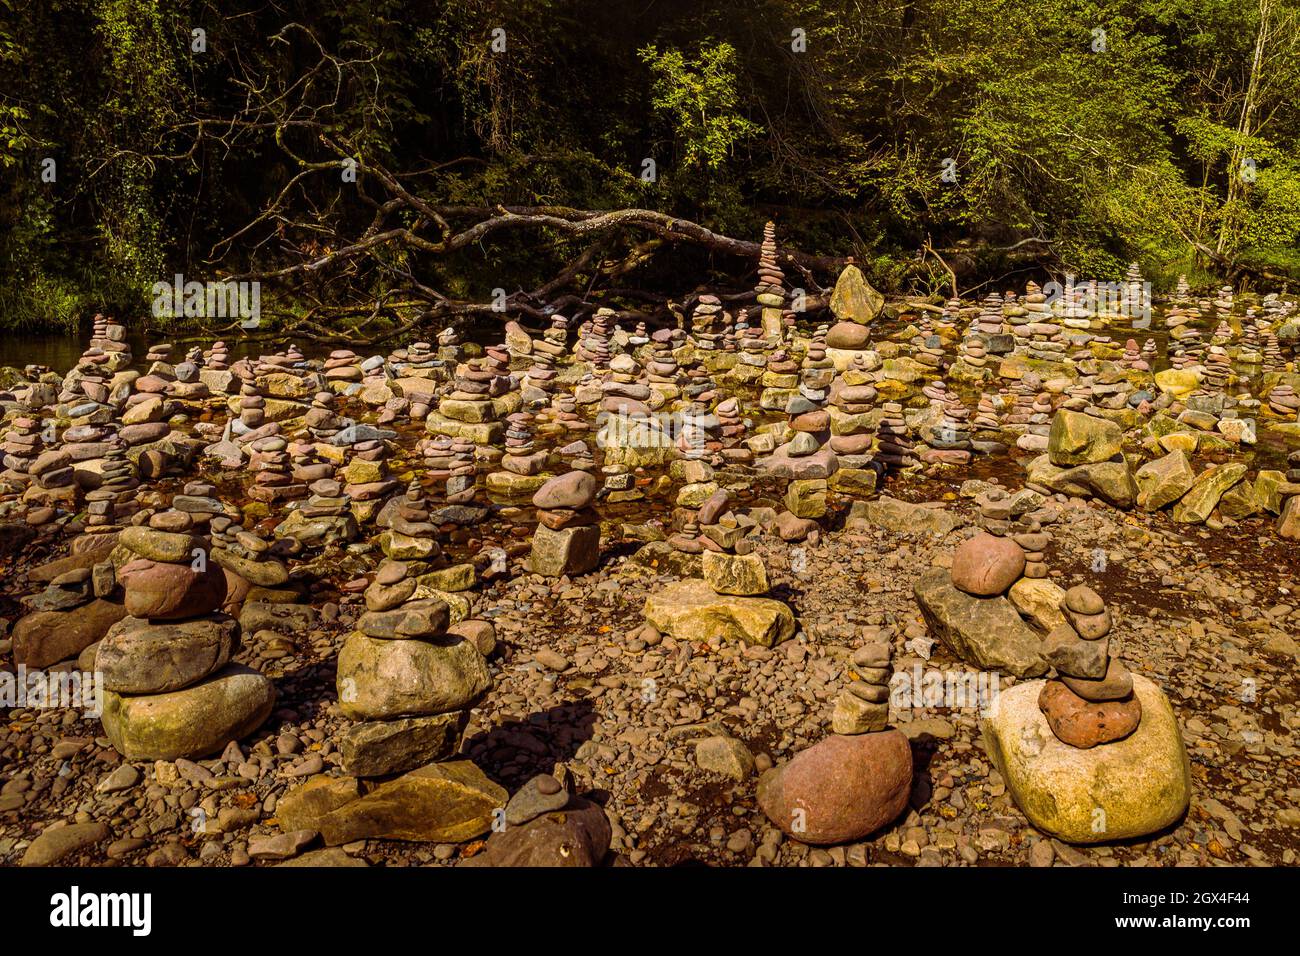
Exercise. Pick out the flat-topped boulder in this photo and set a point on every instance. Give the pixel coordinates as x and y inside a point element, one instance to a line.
<point>1125,789</point>
<point>691,610</point>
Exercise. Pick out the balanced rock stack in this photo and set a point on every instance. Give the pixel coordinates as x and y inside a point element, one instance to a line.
<point>950,319</point>
<point>22,448</point>
<point>972,358</point>
<point>114,500</point>
<point>1135,299</point>
<point>770,288</point>
<point>170,689</point>
<point>1079,303</point>
<point>698,437</point>
<point>730,603</point>
<point>1091,702</point>
<point>366,477</point>
<point>322,421</point>
<point>406,681</point>
<point>1182,292</point>
<point>217,358</point>
<point>409,535</point>
<point>895,447</point>
<point>780,380</point>
<point>325,517</point>
<point>252,407</point>
<point>272,468</point>
<point>731,424</point>
<point>854,781</point>
<point>990,318</point>
<point>521,455</point>
<point>594,346</point>
<point>708,323</point>
<point>852,414</point>
<point>1218,368</point>
<point>547,352</point>
<point>949,439</point>
<point>479,398</point>
<point>1283,400</point>
<point>929,352</point>
<point>1094,755</point>
<point>567,539</point>
<point>968,609</point>
<point>816,371</point>
<point>863,705</point>
<point>661,369</point>
<point>342,367</point>
<point>1223,304</point>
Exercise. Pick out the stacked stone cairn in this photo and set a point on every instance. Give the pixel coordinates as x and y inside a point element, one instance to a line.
<point>547,352</point>
<point>949,440</point>
<point>594,346</point>
<point>869,763</point>
<point>171,691</point>
<point>405,679</point>
<point>895,446</point>
<point>770,288</point>
<point>708,323</point>
<point>567,539</point>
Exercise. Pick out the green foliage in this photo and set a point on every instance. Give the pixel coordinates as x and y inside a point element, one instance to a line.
<point>1127,149</point>
<point>698,97</point>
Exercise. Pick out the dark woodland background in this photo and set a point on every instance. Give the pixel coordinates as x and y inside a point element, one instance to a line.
<point>1081,136</point>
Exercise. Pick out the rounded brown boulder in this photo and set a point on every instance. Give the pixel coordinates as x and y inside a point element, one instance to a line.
<point>841,788</point>
<point>575,490</point>
<point>848,335</point>
<point>170,592</point>
<point>986,565</point>
<point>1084,724</point>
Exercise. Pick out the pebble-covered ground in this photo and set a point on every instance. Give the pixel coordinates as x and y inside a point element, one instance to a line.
<point>584,689</point>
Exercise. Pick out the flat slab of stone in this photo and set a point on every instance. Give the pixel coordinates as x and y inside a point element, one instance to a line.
<point>441,803</point>
<point>984,632</point>
<point>894,515</point>
<point>690,610</point>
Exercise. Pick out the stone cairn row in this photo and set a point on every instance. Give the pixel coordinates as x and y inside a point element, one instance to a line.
<point>416,449</point>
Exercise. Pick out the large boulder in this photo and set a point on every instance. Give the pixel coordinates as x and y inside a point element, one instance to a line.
<point>690,610</point>
<point>1111,481</point>
<point>984,632</point>
<point>1210,485</point>
<point>1122,790</point>
<point>190,723</point>
<point>576,836</point>
<point>853,299</point>
<point>161,591</point>
<point>736,574</point>
<point>47,637</point>
<point>1178,383</point>
<point>137,657</point>
<point>440,803</point>
<point>902,516</point>
<point>377,748</point>
<point>567,551</point>
<point>380,678</point>
<point>841,788</point>
<point>985,564</point>
<point>1080,439</point>
<point>1163,481</point>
